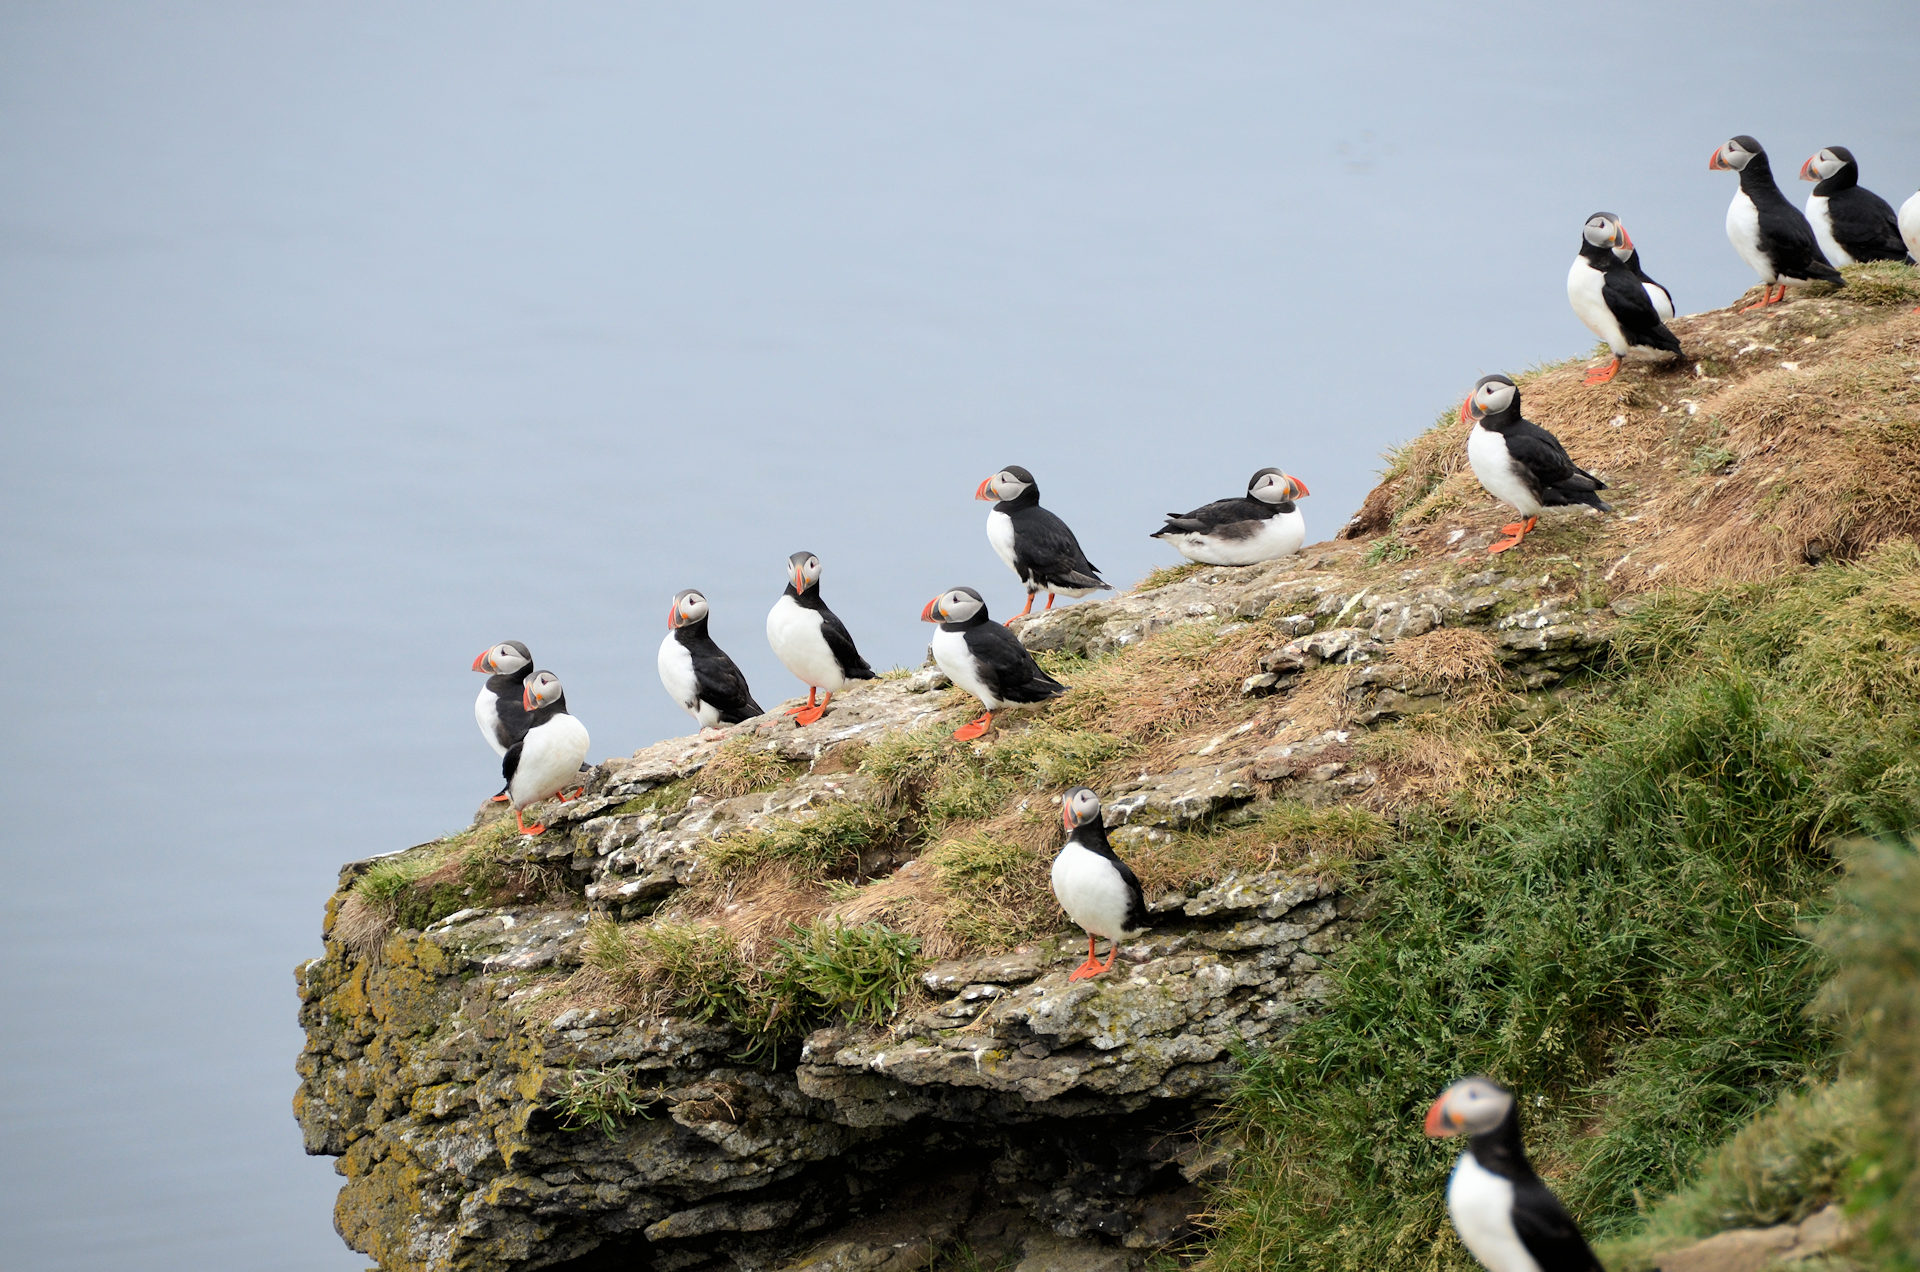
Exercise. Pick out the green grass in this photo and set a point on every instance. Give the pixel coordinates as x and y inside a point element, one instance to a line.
<point>1624,941</point>
<point>603,1099</point>
<point>1389,550</point>
<point>1882,283</point>
<point>859,974</point>
<point>827,843</point>
<point>1163,575</point>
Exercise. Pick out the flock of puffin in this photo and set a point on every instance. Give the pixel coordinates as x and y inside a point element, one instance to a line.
<point>1504,1214</point>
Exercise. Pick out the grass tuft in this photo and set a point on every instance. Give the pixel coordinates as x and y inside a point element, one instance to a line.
<point>1162,576</point>
<point>603,1099</point>
<point>739,767</point>
<point>1882,283</point>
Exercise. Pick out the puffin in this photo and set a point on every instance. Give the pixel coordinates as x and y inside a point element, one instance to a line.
<point>497,709</point>
<point>1506,1217</point>
<point>1259,526</point>
<point>985,659</point>
<point>1630,257</point>
<point>1035,544</point>
<point>1519,462</point>
<point>1910,226</point>
<point>1610,298</point>
<point>811,640</point>
<point>1093,886</point>
<point>547,759</point>
<point>1852,223</point>
<point>1769,233</point>
<point>697,673</point>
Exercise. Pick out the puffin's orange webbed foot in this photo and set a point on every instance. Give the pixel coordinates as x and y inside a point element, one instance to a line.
<point>801,710</point>
<point>974,727</point>
<point>1515,533</point>
<point>501,798</point>
<point>1600,375</point>
<point>1092,967</point>
<point>810,713</point>
<point>525,829</point>
<point>1025,611</point>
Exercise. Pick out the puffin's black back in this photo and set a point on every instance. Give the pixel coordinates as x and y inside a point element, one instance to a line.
<point>719,679</point>
<point>834,632</point>
<point>510,707</point>
<point>1221,512</point>
<point>1785,234</point>
<point>1044,548</point>
<point>1003,662</point>
<point>1541,1221</point>
<point>1543,462</point>
<point>1863,222</point>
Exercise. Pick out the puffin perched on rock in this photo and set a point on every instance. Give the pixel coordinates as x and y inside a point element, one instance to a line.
<point>1851,222</point>
<point>502,720</point>
<point>1610,299</point>
<point>1629,255</point>
<point>985,659</point>
<point>1506,1217</point>
<point>1769,233</point>
<point>1035,544</point>
<point>811,640</point>
<point>1259,526</point>
<point>1519,462</point>
<point>547,759</point>
<point>1093,886</point>
<point>697,673</point>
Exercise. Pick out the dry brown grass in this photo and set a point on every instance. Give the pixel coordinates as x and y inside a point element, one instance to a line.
<point>362,926</point>
<point>1450,656</point>
<point>1800,442</point>
<point>740,765</point>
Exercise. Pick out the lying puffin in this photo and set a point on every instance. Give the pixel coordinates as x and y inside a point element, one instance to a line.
<point>1611,300</point>
<point>1506,1217</point>
<point>1259,526</point>
<point>1767,231</point>
<point>547,759</point>
<point>697,673</point>
<point>1035,544</point>
<point>497,709</point>
<point>1629,256</point>
<point>986,660</point>
<point>811,640</point>
<point>1519,462</point>
<point>1852,223</point>
<point>1094,887</point>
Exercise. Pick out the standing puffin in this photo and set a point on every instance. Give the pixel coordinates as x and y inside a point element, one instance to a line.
<point>1629,256</point>
<point>811,640</point>
<point>1506,1217</point>
<point>986,660</point>
<point>502,719</point>
<point>1519,462</point>
<point>547,759</point>
<point>1094,887</point>
<point>1767,231</point>
<point>1609,297</point>
<point>1035,544</point>
<point>697,672</point>
<point>1852,223</point>
<point>1259,526</point>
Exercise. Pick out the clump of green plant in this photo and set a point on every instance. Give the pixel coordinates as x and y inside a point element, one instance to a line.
<point>388,880</point>
<point>1389,549</point>
<point>1709,459</point>
<point>859,973</point>
<point>828,842</point>
<point>666,798</point>
<point>1268,836</point>
<point>603,1099</point>
<point>1623,941</point>
<point>1882,283</point>
<point>1164,575</point>
<point>995,890</point>
<point>738,767</point>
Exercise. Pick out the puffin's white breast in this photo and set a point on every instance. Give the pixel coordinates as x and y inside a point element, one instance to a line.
<point>951,655</point>
<point>550,757</point>
<point>1277,536</point>
<point>1000,535</point>
<point>676,673</point>
<point>1586,292</point>
<point>1092,892</point>
<point>1487,453</point>
<point>1820,217</point>
<point>1481,1206</point>
<point>794,631</point>
<point>486,710</point>
<point>1910,226</point>
<point>1743,231</point>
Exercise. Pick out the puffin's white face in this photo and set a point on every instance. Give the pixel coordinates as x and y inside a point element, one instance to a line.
<point>1270,485</point>
<point>1489,397</point>
<point>503,659</point>
<point>1004,484</point>
<point>542,688</point>
<point>1078,807</point>
<point>1735,155</point>
<point>688,607</point>
<point>1603,230</point>
<point>1822,165</point>
<point>1471,1106</point>
<point>955,605</point>
<point>803,570</point>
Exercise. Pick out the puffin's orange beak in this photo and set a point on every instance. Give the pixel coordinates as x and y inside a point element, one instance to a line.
<point>1438,1124</point>
<point>1465,408</point>
<point>673,617</point>
<point>1806,169</point>
<point>931,613</point>
<point>480,663</point>
<point>1626,239</point>
<point>1066,817</point>
<point>799,581</point>
<point>984,493</point>
<point>1716,163</point>
<point>526,702</point>
<point>1300,490</point>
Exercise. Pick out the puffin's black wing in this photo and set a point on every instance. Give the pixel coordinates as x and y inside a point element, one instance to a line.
<point>1548,1231</point>
<point>1209,518</point>
<point>721,683</point>
<point>1866,225</point>
<point>1045,551</point>
<point>1639,320</point>
<point>509,708</point>
<point>1787,239</point>
<point>510,762</point>
<point>1547,466</point>
<point>1137,916</point>
<point>1007,667</point>
<point>840,645</point>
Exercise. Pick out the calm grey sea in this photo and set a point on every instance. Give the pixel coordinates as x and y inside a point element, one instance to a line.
<point>338,342</point>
